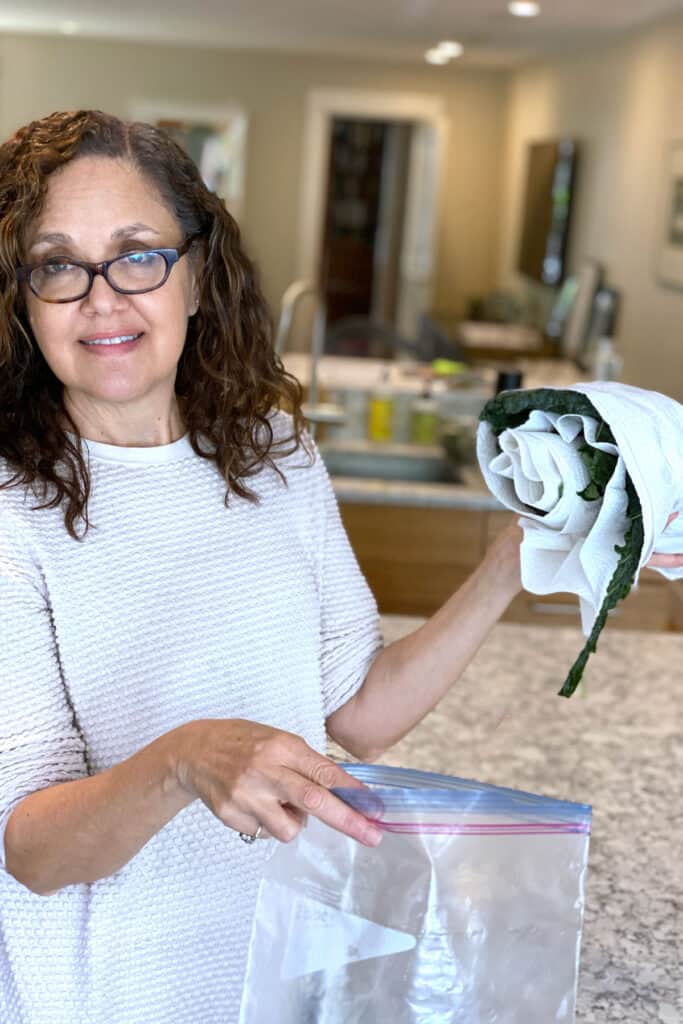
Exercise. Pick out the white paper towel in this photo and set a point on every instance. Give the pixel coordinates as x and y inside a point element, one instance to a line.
<point>535,469</point>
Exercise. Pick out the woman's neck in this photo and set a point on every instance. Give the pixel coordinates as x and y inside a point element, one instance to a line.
<point>118,426</point>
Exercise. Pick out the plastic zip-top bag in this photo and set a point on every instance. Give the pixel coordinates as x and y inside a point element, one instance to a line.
<point>468,912</point>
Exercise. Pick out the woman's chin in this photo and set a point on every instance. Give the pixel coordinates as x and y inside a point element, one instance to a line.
<point>126,394</point>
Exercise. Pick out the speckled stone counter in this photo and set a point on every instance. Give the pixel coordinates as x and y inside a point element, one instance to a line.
<point>617,745</point>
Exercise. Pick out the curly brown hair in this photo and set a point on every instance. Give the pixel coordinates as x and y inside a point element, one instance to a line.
<point>229,380</point>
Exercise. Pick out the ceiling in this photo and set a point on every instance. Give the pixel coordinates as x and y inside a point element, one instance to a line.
<point>380,29</point>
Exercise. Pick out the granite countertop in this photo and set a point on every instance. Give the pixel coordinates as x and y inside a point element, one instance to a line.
<point>616,745</point>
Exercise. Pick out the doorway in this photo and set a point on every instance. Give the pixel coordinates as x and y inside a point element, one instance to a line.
<point>371,180</point>
<point>364,218</point>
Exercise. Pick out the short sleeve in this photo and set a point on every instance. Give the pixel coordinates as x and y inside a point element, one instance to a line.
<point>351,637</point>
<point>39,743</point>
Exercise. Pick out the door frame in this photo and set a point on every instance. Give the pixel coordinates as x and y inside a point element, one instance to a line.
<point>322,105</point>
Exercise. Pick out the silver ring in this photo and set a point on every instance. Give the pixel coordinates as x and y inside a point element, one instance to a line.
<point>249,839</point>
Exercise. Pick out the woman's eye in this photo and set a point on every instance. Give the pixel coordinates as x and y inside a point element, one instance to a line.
<point>54,268</point>
<point>139,259</point>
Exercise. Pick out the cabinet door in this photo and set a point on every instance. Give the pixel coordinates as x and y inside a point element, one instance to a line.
<point>414,558</point>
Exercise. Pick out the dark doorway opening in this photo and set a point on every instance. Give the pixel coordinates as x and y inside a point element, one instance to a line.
<point>364,219</point>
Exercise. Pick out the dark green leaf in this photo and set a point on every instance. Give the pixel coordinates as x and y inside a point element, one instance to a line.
<point>591,492</point>
<point>618,588</point>
<point>511,408</point>
<point>599,464</point>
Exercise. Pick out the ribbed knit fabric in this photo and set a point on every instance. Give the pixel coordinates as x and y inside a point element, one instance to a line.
<point>173,608</point>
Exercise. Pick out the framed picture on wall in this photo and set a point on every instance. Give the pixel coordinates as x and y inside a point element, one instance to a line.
<point>670,255</point>
<point>575,333</point>
<point>215,138</point>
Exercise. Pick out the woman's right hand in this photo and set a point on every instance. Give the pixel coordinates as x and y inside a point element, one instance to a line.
<point>252,775</point>
<point>668,561</point>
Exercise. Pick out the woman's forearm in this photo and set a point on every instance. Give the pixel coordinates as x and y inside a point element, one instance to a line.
<point>409,677</point>
<point>251,776</point>
<point>87,829</point>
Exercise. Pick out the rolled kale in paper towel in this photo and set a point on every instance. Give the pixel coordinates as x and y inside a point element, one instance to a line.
<point>595,470</point>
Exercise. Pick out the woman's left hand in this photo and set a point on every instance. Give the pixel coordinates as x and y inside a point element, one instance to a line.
<point>666,561</point>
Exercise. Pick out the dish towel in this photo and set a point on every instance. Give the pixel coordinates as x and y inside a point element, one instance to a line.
<point>595,470</point>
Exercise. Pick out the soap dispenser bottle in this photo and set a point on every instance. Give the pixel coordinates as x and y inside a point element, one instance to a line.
<point>606,363</point>
<point>424,418</point>
<point>381,410</point>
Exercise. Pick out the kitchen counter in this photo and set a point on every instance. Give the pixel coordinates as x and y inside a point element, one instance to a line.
<point>470,494</point>
<point>347,373</point>
<point>348,382</point>
<point>616,745</point>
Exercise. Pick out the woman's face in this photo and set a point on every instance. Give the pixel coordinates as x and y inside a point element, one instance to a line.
<point>98,208</point>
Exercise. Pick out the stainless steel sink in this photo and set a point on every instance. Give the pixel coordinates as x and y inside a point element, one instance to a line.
<point>374,460</point>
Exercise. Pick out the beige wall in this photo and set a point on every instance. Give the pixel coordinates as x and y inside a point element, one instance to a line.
<point>40,75</point>
<point>624,105</point>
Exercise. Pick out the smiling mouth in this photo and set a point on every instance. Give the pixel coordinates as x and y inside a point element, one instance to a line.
<point>119,339</point>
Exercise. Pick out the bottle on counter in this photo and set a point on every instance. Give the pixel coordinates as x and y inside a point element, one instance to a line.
<point>606,362</point>
<point>424,418</point>
<point>381,410</point>
<point>603,359</point>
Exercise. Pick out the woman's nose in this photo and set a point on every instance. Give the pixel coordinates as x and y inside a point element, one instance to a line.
<point>102,298</point>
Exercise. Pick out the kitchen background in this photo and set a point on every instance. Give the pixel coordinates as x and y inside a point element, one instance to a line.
<point>607,76</point>
<point>401,188</point>
<point>610,79</point>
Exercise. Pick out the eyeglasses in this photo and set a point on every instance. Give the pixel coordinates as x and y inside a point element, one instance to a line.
<point>133,273</point>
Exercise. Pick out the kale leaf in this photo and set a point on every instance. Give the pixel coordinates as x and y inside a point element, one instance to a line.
<point>511,409</point>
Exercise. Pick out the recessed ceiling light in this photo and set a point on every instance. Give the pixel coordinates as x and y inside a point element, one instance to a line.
<point>436,56</point>
<point>523,9</point>
<point>451,48</point>
<point>68,28</point>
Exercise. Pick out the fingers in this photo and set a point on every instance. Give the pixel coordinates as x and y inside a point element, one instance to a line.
<point>665,562</point>
<point>302,786</point>
<point>325,772</point>
<point>300,816</point>
<point>282,821</point>
<point>251,775</point>
<point>271,821</point>
<point>316,799</point>
<point>254,830</point>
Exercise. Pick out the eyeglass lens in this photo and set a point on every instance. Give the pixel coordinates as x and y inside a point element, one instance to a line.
<point>134,272</point>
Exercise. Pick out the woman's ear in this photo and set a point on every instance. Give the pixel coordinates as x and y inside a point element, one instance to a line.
<point>192,292</point>
<point>196,266</point>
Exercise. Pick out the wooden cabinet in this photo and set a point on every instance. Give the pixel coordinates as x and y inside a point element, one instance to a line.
<point>415,558</point>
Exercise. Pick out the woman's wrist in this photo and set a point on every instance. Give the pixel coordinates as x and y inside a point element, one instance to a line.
<point>172,749</point>
<point>504,559</point>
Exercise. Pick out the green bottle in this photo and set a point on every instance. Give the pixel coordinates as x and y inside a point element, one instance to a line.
<point>381,411</point>
<point>424,419</point>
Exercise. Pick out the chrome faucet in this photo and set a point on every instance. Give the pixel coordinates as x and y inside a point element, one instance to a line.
<point>314,411</point>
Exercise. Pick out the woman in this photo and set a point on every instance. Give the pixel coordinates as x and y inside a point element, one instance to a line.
<point>182,616</point>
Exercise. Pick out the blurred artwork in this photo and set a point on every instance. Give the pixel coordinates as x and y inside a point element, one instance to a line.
<point>671,251</point>
<point>676,218</point>
<point>217,144</point>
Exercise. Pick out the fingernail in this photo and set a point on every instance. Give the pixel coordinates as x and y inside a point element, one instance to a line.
<point>373,837</point>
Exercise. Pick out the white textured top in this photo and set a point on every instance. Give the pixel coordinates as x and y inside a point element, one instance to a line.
<point>173,608</point>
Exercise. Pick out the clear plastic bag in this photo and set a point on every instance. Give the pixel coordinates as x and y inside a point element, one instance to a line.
<point>469,911</point>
